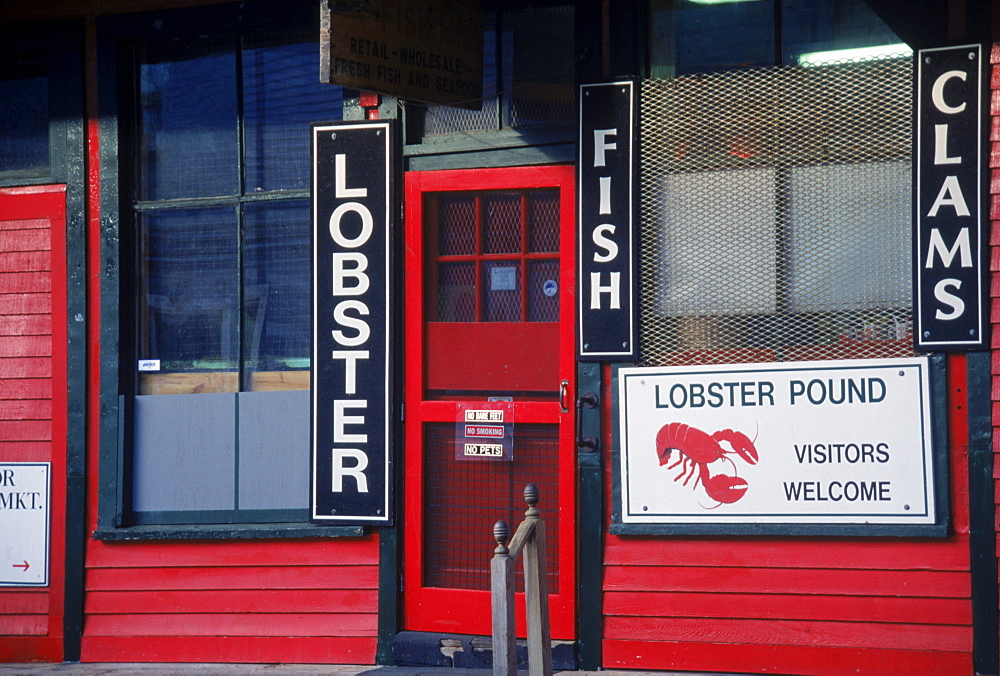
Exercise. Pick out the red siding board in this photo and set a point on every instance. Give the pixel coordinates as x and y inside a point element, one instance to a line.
<point>24,602</point>
<point>26,388</point>
<point>930,584</point>
<point>781,659</point>
<point>233,624</point>
<point>792,632</point>
<point>344,552</point>
<point>25,346</point>
<point>25,303</point>
<point>236,601</point>
<point>843,554</point>
<point>25,451</point>
<point>792,607</point>
<point>10,223</point>
<point>25,282</point>
<point>23,625</point>
<point>25,325</point>
<point>26,430</point>
<point>25,240</point>
<point>25,261</point>
<point>261,577</point>
<point>25,409</point>
<point>25,367</point>
<point>260,649</point>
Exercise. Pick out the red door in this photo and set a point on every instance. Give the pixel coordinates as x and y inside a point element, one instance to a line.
<point>32,417</point>
<point>489,298</point>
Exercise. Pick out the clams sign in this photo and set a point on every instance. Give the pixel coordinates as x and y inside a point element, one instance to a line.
<point>845,442</point>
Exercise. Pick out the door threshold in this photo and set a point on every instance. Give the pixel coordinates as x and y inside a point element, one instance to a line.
<point>464,651</point>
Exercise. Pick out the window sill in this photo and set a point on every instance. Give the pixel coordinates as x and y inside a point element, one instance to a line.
<point>243,531</point>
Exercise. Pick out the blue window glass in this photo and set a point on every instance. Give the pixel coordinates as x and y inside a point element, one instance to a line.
<point>225,289</point>
<point>24,121</point>
<point>282,96</point>
<point>188,118</point>
<point>277,280</point>
<point>190,267</point>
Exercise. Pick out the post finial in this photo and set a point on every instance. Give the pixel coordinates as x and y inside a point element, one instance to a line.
<point>500,533</point>
<point>531,496</point>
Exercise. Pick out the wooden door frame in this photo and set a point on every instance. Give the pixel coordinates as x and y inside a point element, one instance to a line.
<point>562,606</point>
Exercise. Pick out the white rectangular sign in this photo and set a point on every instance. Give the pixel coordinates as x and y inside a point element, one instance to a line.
<point>24,524</point>
<point>833,442</point>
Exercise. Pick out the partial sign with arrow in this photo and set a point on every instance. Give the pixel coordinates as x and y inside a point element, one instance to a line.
<point>24,524</point>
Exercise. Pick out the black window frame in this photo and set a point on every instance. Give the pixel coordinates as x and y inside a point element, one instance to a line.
<point>117,38</point>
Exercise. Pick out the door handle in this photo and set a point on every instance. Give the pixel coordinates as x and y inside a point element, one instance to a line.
<point>588,400</point>
<point>564,396</point>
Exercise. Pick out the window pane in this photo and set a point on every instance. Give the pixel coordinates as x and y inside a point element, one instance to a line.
<point>188,120</point>
<point>502,291</point>
<point>479,115</point>
<point>871,201</point>
<point>189,294</point>
<point>24,122</point>
<point>277,264</point>
<point>691,37</point>
<point>539,66</point>
<point>282,95</point>
<point>719,249</point>
<point>822,25</point>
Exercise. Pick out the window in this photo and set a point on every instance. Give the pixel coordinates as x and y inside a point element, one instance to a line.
<point>24,119</point>
<point>216,184</point>
<point>776,200</point>
<point>528,75</point>
<point>697,36</point>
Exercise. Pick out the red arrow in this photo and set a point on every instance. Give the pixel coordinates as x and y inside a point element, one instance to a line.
<point>24,565</point>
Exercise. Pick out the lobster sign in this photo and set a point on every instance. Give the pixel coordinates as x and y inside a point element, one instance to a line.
<point>697,455</point>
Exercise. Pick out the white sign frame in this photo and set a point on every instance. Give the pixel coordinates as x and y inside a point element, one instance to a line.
<point>874,451</point>
<point>24,553</point>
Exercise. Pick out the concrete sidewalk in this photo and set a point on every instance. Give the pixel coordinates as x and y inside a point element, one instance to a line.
<point>144,669</point>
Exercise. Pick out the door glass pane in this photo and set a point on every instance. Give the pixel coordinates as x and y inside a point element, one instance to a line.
<point>543,223</point>
<point>543,291</point>
<point>502,223</point>
<point>457,292</point>
<point>457,227</point>
<point>188,120</point>
<point>277,260</point>
<point>189,299</point>
<point>502,291</point>
<point>281,96</point>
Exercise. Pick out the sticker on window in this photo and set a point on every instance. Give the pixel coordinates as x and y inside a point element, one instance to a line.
<point>149,364</point>
<point>503,279</point>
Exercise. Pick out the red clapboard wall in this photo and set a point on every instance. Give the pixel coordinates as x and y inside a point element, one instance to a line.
<point>33,397</point>
<point>795,605</point>
<point>267,601</point>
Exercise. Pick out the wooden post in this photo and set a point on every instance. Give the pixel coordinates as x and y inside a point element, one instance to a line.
<point>502,588</point>
<point>529,538</point>
<point>536,590</point>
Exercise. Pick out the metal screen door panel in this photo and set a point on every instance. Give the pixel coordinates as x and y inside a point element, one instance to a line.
<point>489,278</point>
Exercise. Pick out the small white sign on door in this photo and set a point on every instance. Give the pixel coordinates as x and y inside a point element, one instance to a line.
<point>24,524</point>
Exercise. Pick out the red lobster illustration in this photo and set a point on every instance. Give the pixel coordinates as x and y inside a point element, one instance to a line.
<point>697,449</point>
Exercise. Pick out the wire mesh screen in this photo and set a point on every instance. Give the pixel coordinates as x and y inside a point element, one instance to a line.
<point>464,498</point>
<point>776,214</point>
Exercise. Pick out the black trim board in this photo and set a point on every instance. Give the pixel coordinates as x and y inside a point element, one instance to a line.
<point>590,524</point>
<point>63,42</point>
<point>982,510</point>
